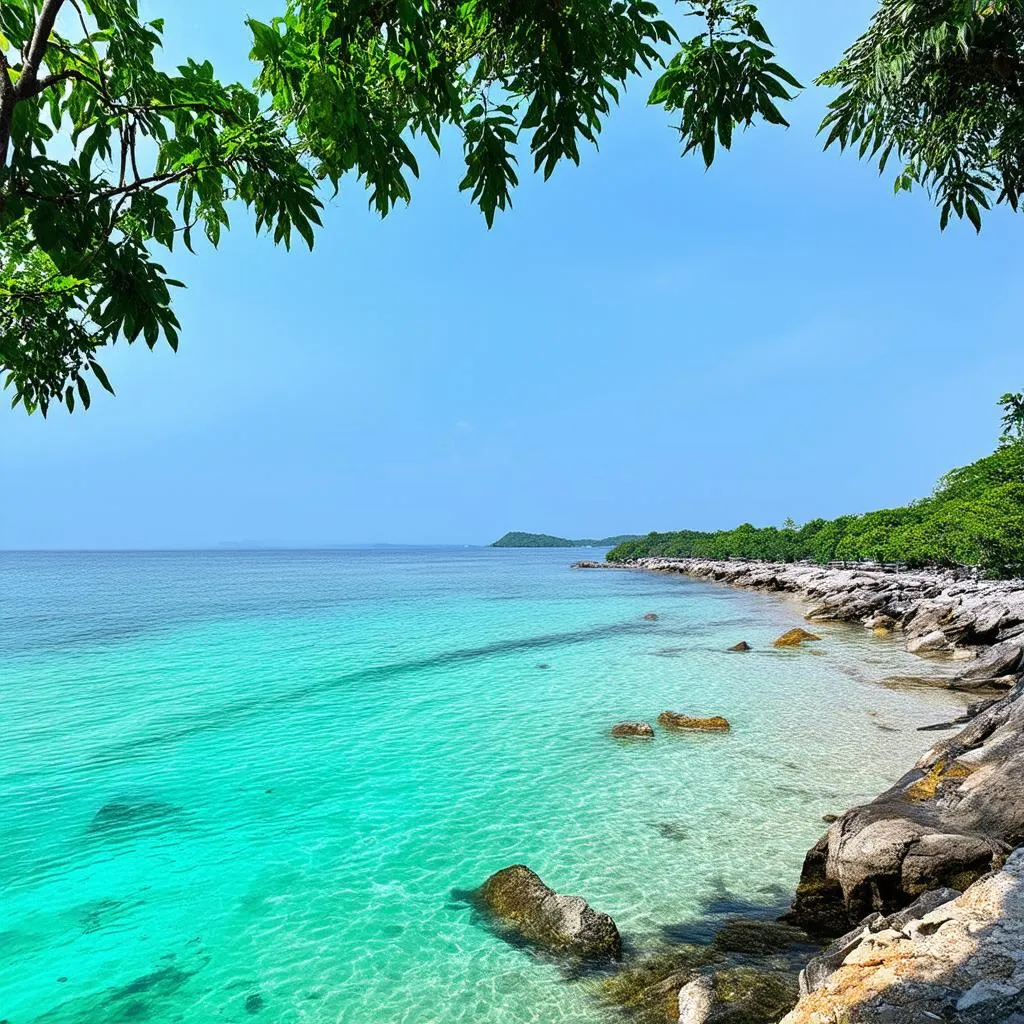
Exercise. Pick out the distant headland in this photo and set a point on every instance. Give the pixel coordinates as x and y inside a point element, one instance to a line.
<point>545,540</point>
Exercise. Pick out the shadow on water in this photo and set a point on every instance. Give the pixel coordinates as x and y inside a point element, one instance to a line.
<point>126,817</point>
<point>141,999</point>
<point>227,715</point>
<point>715,909</point>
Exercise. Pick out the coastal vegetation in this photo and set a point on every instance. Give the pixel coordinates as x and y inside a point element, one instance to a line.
<point>545,540</point>
<point>974,517</point>
<point>106,158</point>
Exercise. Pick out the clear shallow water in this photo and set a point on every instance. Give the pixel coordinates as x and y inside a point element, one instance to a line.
<point>244,787</point>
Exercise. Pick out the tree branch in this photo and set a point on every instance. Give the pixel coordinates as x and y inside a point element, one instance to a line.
<point>37,48</point>
<point>7,101</point>
<point>44,83</point>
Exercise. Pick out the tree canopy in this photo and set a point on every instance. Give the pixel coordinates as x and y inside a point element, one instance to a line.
<point>106,158</point>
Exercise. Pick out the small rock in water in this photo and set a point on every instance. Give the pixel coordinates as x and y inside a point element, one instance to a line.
<point>543,664</point>
<point>795,637</point>
<point>741,646</point>
<point>61,979</point>
<point>651,617</point>
<point>673,720</point>
<point>517,897</point>
<point>829,818</point>
<point>253,1003</point>
<point>633,730</point>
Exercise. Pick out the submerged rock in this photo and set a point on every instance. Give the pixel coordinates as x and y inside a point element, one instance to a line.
<point>633,730</point>
<point>741,646</point>
<point>795,637</point>
<point>758,938</point>
<point>673,720</point>
<point>518,898</point>
<point>649,988</point>
<point>651,617</point>
<point>738,995</point>
<point>119,815</point>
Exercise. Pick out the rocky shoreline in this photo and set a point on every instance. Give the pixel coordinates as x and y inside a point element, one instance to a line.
<point>922,885</point>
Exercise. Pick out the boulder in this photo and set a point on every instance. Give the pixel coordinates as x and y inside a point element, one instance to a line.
<point>737,995</point>
<point>651,617</point>
<point>795,637</point>
<point>519,899</point>
<point>633,730</point>
<point>741,646</point>
<point>673,720</point>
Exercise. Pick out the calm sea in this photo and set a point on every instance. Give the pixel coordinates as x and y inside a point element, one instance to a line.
<point>252,786</point>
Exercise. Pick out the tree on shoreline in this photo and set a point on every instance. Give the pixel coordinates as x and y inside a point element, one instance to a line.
<point>975,516</point>
<point>104,157</point>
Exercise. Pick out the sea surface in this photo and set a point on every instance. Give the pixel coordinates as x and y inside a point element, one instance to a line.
<point>256,787</point>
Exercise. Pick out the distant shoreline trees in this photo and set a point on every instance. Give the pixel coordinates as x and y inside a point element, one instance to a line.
<point>975,517</point>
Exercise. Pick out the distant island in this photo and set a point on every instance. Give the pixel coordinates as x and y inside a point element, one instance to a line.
<point>545,540</point>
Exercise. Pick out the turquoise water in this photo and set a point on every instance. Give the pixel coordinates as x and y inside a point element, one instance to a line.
<point>244,787</point>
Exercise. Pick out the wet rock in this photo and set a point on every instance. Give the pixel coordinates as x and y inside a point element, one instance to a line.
<point>253,1003</point>
<point>651,617</point>
<point>649,988</point>
<point>795,637</point>
<point>741,646</point>
<point>758,938</point>
<point>829,818</point>
<point>737,995</point>
<point>673,720</point>
<point>519,899</point>
<point>633,730</point>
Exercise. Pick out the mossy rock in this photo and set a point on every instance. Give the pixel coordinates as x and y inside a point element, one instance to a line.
<point>673,720</point>
<point>795,637</point>
<point>649,988</point>
<point>927,788</point>
<point>739,995</point>
<point>519,900</point>
<point>758,938</point>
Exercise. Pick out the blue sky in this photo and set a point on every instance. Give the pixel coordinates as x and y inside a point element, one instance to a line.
<point>637,345</point>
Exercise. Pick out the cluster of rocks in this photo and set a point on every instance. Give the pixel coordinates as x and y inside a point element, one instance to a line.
<point>939,613</point>
<point>670,720</point>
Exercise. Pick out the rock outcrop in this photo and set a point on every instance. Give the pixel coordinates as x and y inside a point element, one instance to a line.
<point>673,720</point>
<point>940,613</point>
<point>633,730</point>
<point>741,646</point>
<point>959,959</point>
<point>954,817</point>
<point>519,899</point>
